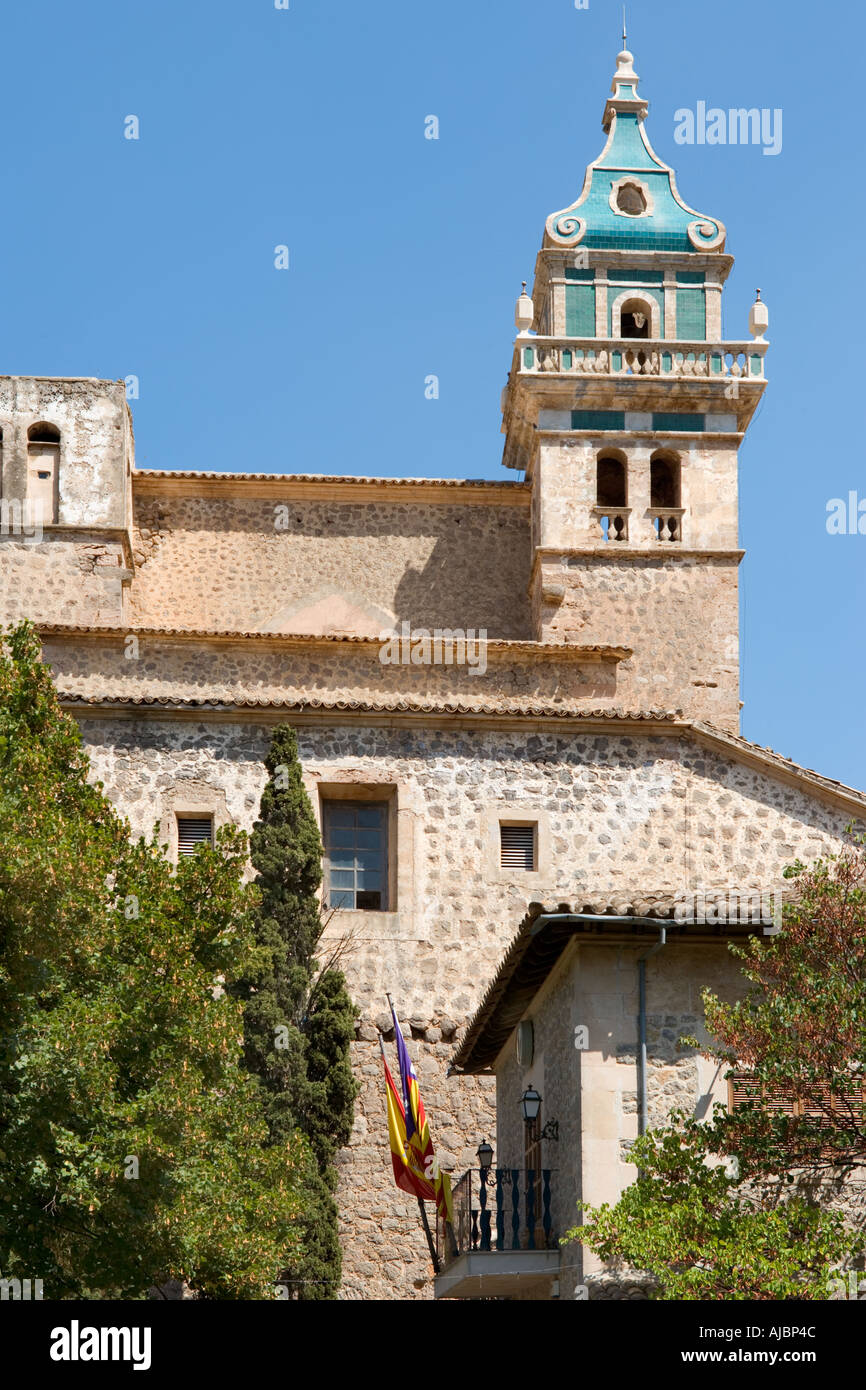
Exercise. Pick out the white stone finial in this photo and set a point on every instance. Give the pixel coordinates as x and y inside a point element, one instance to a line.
<point>524,313</point>
<point>759,319</point>
<point>625,67</point>
<point>625,77</point>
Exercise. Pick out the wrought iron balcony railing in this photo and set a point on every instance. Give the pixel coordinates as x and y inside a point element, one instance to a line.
<point>498,1209</point>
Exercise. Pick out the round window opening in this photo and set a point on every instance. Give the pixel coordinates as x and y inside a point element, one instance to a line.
<point>631,200</point>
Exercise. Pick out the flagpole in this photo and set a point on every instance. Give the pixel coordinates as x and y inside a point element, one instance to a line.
<point>431,1244</point>
<point>428,1233</point>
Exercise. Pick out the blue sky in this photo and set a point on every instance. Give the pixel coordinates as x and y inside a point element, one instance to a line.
<point>305,127</point>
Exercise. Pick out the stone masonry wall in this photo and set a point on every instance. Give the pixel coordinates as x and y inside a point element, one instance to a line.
<point>95,444</point>
<point>679,615</point>
<point>221,562</point>
<point>73,578</point>
<point>555,680</point>
<point>619,815</point>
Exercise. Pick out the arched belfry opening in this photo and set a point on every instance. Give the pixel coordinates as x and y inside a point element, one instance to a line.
<point>664,481</point>
<point>666,496</point>
<point>611,489</point>
<point>611,497</point>
<point>635,319</point>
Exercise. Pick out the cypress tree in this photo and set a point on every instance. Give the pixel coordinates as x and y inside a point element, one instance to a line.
<point>298,1028</point>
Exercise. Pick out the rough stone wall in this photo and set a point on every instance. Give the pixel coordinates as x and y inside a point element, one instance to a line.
<point>679,616</point>
<point>69,578</point>
<point>221,562</point>
<point>556,681</point>
<point>653,813</point>
<point>95,444</point>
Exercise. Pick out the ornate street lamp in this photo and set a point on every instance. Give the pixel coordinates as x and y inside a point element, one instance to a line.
<point>485,1155</point>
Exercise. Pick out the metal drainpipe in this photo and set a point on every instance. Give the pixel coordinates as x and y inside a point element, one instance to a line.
<point>641,1026</point>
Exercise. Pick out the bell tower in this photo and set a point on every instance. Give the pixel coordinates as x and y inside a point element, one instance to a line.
<point>626,408</point>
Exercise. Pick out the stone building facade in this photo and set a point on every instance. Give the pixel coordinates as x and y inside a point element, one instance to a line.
<point>187,613</point>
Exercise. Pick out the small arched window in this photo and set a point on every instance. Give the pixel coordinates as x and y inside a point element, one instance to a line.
<point>43,469</point>
<point>610,482</point>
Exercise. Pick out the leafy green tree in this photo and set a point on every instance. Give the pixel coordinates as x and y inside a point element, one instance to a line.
<point>709,1228</point>
<point>133,1139</point>
<point>696,1228</point>
<point>801,1026</point>
<point>299,1021</point>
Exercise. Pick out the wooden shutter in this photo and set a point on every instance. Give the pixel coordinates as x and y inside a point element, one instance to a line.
<point>192,831</point>
<point>742,1089</point>
<point>517,847</point>
<point>847,1101</point>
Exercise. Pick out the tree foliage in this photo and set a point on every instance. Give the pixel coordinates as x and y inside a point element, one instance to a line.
<point>801,1027</point>
<point>133,1139</point>
<point>693,1225</point>
<point>299,1021</point>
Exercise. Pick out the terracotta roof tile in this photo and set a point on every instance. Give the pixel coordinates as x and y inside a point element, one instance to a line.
<point>537,948</point>
<point>506,484</point>
<point>370,706</point>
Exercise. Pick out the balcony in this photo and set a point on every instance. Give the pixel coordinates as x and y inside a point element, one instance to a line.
<point>502,1242</point>
<point>663,524</point>
<point>666,522</point>
<point>660,357</point>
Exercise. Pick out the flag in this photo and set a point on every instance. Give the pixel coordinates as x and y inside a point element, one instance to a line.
<point>406,1174</point>
<point>418,1142</point>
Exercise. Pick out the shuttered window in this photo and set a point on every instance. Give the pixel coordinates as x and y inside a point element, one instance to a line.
<point>193,831</point>
<point>517,847</point>
<point>849,1105</point>
<point>743,1089</point>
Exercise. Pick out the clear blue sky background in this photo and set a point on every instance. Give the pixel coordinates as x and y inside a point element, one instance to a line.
<point>306,127</point>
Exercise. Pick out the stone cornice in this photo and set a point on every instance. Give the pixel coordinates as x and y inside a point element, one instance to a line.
<point>653,436</point>
<point>614,551</point>
<point>294,487</point>
<point>87,535</point>
<point>497,649</point>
